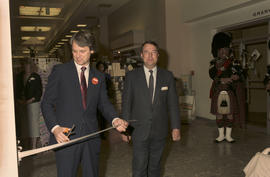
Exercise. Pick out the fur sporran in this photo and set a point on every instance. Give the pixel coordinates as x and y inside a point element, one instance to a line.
<point>223,103</point>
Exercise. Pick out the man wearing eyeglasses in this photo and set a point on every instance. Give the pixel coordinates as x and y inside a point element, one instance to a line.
<point>149,95</point>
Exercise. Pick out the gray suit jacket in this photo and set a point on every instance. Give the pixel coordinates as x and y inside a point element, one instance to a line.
<point>152,118</point>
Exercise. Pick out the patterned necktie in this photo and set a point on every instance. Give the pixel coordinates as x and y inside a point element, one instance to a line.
<point>151,84</point>
<point>83,87</point>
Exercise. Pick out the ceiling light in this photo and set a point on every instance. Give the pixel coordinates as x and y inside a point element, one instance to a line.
<point>81,25</point>
<point>60,43</point>
<point>57,46</point>
<point>65,40</point>
<point>39,11</point>
<point>25,51</point>
<point>25,37</point>
<point>16,56</point>
<point>74,31</point>
<point>36,28</point>
<point>68,35</point>
<point>41,38</point>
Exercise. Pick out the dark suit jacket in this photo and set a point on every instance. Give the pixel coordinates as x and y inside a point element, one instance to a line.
<point>152,118</point>
<point>32,88</point>
<point>62,102</point>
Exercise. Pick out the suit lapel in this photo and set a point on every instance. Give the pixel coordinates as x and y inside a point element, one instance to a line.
<point>74,78</point>
<point>143,83</point>
<point>90,86</point>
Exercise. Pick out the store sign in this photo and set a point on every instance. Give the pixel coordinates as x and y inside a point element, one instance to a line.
<point>261,13</point>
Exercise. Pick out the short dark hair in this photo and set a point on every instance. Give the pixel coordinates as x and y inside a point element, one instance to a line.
<point>83,38</point>
<point>101,63</point>
<point>149,42</point>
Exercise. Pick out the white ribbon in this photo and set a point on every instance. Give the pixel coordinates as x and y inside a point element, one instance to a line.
<point>54,146</point>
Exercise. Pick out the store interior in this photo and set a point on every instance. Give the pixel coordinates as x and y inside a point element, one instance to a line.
<point>41,29</point>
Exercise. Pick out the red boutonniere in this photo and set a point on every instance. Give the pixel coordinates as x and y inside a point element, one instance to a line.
<point>94,81</point>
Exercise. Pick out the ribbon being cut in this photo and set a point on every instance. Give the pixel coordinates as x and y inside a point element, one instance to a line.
<point>22,154</point>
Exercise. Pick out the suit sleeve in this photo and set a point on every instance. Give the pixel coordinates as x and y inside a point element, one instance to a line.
<point>173,104</point>
<point>49,100</point>
<point>127,98</point>
<point>104,104</point>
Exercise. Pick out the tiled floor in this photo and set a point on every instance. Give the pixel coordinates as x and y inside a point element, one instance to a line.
<point>194,156</point>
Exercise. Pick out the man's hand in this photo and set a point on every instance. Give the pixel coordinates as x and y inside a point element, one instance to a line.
<point>126,138</point>
<point>59,134</point>
<point>30,100</point>
<point>120,124</point>
<point>176,135</point>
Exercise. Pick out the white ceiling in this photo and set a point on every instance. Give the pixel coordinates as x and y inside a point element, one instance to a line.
<point>73,12</point>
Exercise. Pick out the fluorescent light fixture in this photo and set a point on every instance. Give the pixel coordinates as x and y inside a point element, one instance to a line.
<point>68,36</point>
<point>16,56</point>
<point>41,38</point>
<point>57,46</point>
<point>64,40</point>
<point>36,28</point>
<point>60,43</point>
<point>82,25</point>
<point>25,38</point>
<point>25,51</point>
<point>39,11</point>
<point>74,31</point>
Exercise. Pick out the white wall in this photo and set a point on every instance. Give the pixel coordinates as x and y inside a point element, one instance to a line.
<point>8,151</point>
<point>141,15</point>
<point>188,44</point>
<point>194,9</point>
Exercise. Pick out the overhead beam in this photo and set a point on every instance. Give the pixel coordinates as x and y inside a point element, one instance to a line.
<point>41,4</point>
<point>39,17</point>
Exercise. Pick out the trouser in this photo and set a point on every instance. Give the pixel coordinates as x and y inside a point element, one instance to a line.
<point>86,153</point>
<point>146,157</point>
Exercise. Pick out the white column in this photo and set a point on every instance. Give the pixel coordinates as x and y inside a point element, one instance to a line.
<point>268,97</point>
<point>8,148</point>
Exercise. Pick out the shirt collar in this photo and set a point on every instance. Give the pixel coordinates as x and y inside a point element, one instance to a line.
<point>146,69</point>
<point>78,67</point>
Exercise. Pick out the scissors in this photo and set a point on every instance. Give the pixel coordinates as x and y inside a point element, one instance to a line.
<point>70,131</point>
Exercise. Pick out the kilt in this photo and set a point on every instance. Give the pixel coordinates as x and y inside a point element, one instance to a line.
<point>214,100</point>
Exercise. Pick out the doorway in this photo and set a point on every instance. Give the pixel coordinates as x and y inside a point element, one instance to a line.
<point>250,47</point>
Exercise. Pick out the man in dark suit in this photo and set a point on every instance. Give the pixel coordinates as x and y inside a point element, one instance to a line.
<point>72,97</point>
<point>149,95</point>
